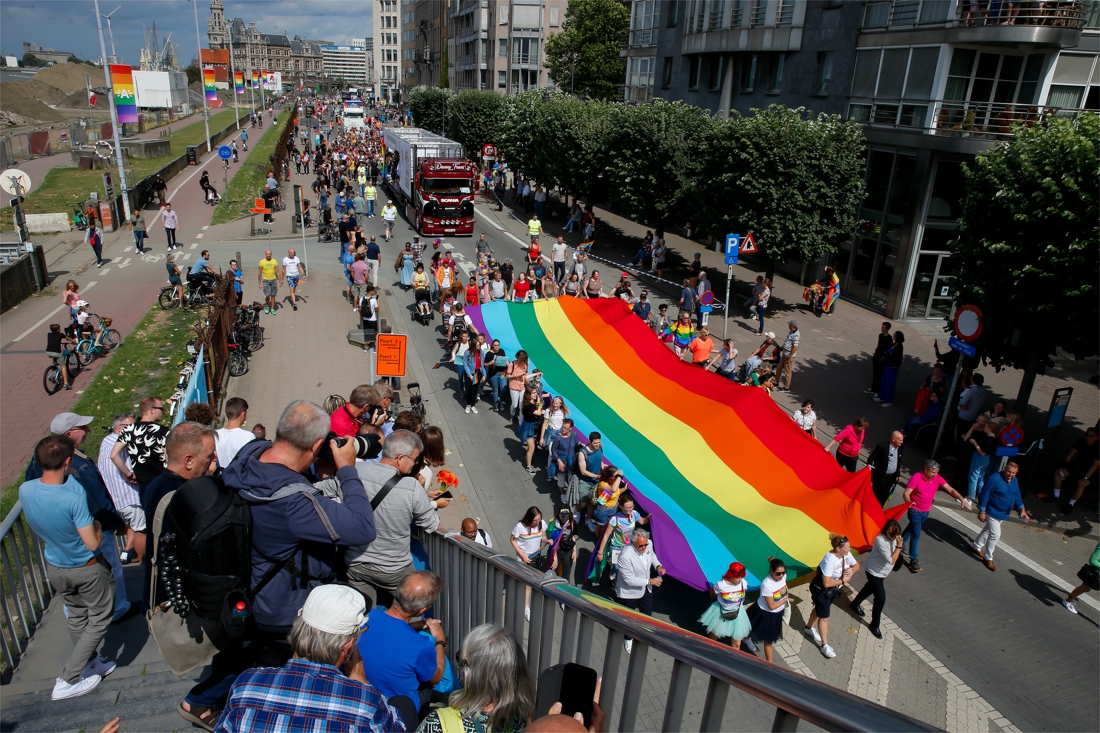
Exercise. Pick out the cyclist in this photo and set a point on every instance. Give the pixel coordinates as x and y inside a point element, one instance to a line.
<point>202,275</point>
<point>174,277</point>
<point>244,138</point>
<point>210,194</point>
<point>83,327</point>
<point>57,344</point>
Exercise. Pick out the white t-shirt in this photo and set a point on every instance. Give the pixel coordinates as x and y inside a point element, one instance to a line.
<point>374,309</point>
<point>833,567</point>
<point>777,589</point>
<point>556,418</point>
<point>498,288</point>
<point>290,264</point>
<point>482,538</point>
<point>804,421</point>
<point>529,539</point>
<point>730,595</point>
<point>558,251</point>
<point>229,441</point>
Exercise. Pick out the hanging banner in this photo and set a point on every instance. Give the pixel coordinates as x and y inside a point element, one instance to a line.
<point>122,79</point>
<point>255,80</point>
<point>208,84</point>
<point>238,81</point>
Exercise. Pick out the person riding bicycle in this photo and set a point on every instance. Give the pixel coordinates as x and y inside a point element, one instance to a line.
<point>57,348</point>
<point>244,140</point>
<point>83,327</point>
<point>174,278</point>
<point>202,275</point>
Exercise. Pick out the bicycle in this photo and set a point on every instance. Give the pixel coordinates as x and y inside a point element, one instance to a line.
<point>53,379</point>
<point>105,342</point>
<point>194,298</point>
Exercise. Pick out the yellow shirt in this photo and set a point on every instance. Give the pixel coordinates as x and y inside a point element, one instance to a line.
<point>270,268</point>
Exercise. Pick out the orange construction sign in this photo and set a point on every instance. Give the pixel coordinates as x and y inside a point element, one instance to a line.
<point>260,207</point>
<point>391,349</point>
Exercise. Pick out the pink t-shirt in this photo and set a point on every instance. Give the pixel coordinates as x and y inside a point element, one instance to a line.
<point>924,490</point>
<point>850,441</point>
<point>359,270</point>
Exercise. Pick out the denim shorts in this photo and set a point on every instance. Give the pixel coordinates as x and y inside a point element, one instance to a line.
<point>291,281</point>
<point>603,513</point>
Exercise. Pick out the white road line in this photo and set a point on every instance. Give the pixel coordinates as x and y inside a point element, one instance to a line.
<point>504,231</point>
<point>206,227</point>
<point>127,249</point>
<point>48,316</point>
<point>104,272</point>
<point>195,245</point>
<point>125,263</point>
<point>186,257</point>
<point>1002,547</point>
<point>198,236</point>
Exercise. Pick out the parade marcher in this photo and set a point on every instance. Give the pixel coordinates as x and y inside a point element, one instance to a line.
<point>921,490</point>
<point>634,581</point>
<point>880,563</point>
<point>806,418</point>
<point>768,611</point>
<point>833,573</point>
<point>885,463</point>
<point>999,496</point>
<point>848,443</point>
<point>1090,580</point>
<point>727,618</point>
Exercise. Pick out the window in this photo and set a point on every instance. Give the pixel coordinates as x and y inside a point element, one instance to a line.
<point>673,13</point>
<point>484,82</point>
<point>502,47</point>
<point>775,78</point>
<point>407,18</point>
<point>555,16</point>
<point>502,14</point>
<point>759,12</point>
<point>526,16</point>
<point>639,72</point>
<point>666,73</point>
<point>714,73</point>
<point>824,72</point>
<point>644,15</point>
<point>693,72</point>
<point>785,13</point>
<point>717,10</point>
<point>502,79</point>
<point>748,72</point>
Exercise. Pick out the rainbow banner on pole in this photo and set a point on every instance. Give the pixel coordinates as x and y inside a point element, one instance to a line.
<point>238,81</point>
<point>122,81</point>
<point>208,84</point>
<point>723,471</point>
<point>255,79</point>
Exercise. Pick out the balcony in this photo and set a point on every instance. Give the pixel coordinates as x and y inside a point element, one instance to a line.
<point>641,38</point>
<point>972,120</point>
<point>525,59</point>
<point>1054,23</point>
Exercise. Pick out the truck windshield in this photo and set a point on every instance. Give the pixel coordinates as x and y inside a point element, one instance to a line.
<point>446,185</point>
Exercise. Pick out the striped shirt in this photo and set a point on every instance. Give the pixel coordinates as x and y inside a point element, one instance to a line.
<point>122,492</point>
<point>305,696</point>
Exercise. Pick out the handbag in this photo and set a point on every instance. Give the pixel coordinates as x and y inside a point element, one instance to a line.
<point>730,615</point>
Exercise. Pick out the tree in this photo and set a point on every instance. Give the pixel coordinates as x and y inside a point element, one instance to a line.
<point>29,59</point>
<point>794,180</point>
<point>1027,253</point>
<point>193,74</point>
<point>72,60</point>
<point>429,107</point>
<point>584,58</point>
<point>473,119</point>
<point>444,79</point>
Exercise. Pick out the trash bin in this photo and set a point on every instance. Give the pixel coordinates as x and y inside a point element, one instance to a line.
<point>192,155</point>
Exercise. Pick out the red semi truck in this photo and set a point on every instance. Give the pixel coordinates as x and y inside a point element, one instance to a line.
<point>431,178</point>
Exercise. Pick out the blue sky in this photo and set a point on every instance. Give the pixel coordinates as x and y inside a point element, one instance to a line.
<point>69,25</point>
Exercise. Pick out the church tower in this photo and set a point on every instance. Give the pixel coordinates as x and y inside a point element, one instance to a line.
<point>216,28</point>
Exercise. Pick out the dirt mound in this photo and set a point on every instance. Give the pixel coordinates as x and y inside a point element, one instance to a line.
<point>79,100</point>
<point>17,98</point>
<point>37,90</point>
<point>70,77</point>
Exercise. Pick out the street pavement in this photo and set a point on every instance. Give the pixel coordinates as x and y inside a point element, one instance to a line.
<point>964,648</point>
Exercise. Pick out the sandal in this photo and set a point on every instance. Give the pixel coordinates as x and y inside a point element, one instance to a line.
<point>207,720</point>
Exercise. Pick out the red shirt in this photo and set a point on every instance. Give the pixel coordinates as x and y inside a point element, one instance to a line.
<point>471,295</point>
<point>343,424</point>
<point>522,286</point>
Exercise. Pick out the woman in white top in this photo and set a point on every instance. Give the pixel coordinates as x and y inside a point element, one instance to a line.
<point>835,570</point>
<point>880,563</point>
<point>528,539</point>
<point>806,418</point>
<point>552,419</point>
<point>767,613</point>
<point>727,618</point>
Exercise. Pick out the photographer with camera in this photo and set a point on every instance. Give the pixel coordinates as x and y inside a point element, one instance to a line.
<point>399,502</point>
<point>363,406</point>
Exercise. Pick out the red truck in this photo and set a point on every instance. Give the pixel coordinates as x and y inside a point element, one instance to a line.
<point>431,178</point>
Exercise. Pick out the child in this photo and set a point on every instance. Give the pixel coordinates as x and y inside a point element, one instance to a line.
<point>56,343</point>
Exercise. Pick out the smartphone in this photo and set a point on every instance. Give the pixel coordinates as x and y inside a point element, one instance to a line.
<point>445,495</point>
<point>573,685</point>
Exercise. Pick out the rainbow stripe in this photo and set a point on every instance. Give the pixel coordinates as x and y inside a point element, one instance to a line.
<point>724,472</point>
<point>122,81</point>
<point>255,79</point>
<point>208,84</point>
<point>238,81</point>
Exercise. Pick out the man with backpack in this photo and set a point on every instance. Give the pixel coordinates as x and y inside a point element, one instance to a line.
<point>296,535</point>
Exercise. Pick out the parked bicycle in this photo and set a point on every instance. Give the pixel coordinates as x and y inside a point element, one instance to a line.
<point>103,342</point>
<point>54,379</point>
<point>193,298</point>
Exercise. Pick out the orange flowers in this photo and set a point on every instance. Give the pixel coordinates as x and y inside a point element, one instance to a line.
<point>447,479</point>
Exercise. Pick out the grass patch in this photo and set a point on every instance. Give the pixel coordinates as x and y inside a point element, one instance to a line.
<point>145,364</point>
<point>64,186</point>
<point>250,177</point>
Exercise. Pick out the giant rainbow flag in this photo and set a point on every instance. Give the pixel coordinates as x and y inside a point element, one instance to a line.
<point>122,83</point>
<point>723,471</point>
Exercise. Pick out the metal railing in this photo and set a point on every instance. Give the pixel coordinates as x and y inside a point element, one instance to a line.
<point>27,590</point>
<point>959,13</point>
<point>482,587</point>
<point>982,120</point>
<point>784,14</point>
<point>644,37</point>
<point>759,13</point>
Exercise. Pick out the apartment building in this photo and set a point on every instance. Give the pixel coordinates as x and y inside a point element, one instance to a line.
<point>353,63</point>
<point>500,44</point>
<point>297,59</point>
<point>933,82</point>
<point>387,49</point>
<point>428,39</point>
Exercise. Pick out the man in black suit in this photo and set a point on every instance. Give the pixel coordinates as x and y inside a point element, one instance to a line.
<point>885,463</point>
<point>885,341</point>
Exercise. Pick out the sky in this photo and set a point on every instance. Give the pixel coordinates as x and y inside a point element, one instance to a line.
<point>68,25</point>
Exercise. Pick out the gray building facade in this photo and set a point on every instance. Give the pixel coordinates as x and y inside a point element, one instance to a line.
<point>934,82</point>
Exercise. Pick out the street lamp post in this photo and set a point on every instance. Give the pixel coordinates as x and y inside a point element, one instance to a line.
<point>233,78</point>
<point>202,77</point>
<point>114,114</point>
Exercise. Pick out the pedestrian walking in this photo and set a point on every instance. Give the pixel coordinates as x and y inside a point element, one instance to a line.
<point>880,563</point>
<point>883,345</point>
<point>268,277</point>
<point>1090,580</point>
<point>891,365</point>
<point>771,606</point>
<point>96,241</point>
<point>634,581</point>
<point>1000,495</point>
<point>921,490</point>
<point>170,221</point>
<point>137,228</point>
<point>727,618</point>
<point>293,271</point>
<point>885,463</point>
<point>983,442</point>
<point>848,443</point>
<point>833,573</point>
<point>787,355</point>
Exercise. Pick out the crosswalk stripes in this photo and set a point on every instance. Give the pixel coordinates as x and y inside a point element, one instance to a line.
<point>195,245</point>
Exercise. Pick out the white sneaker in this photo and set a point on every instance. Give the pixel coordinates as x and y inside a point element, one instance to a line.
<point>811,632</point>
<point>1069,606</point>
<point>748,644</point>
<point>62,690</point>
<point>628,644</point>
<point>467,409</point>
<point>527,612</point>
<point>591,524</point>
<point>99,666</point>
<point>827,651</point>
<point>473,409</point>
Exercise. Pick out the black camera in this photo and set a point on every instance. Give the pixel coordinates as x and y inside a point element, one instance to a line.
<point>366,446</point>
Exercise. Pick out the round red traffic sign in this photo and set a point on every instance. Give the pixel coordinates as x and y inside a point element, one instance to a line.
<point>707,298</point>
<point>489,150</point>
<point>1011,435</point>
<point>968,322</point>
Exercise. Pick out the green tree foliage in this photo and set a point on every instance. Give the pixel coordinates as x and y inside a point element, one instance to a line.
<point>444,79</point>
<point>1027,253</point>
<point>428,106</point>
<point>793,179</point>
<point>584,58</point>
<point>473,119</point>
<point>193,74</point>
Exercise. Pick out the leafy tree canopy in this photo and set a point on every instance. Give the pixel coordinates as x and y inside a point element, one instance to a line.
<point>429,105</point>
<point>193,74</point>
<point>473,119</point>
<point>584,58</point>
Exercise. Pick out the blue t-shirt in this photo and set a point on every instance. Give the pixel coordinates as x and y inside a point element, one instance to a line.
<point>200,263</point>
<point>54,513</point>
<point>236,284</point>
<point>374,252</point>
<point>396,657</point>
<point>594,462</point>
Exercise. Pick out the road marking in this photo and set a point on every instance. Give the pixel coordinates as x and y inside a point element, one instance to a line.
<point>501,229</point>
<point>205,227</point>
<point>125,263</point>
<point>127,249</point>
<point>1002,547</point>
<point>104,272</point>
<point>48,316</point>
<point>185,257</point>
<point>195,245</point>
<point>198,236</point>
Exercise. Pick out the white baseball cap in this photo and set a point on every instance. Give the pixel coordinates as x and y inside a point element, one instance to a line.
<point>769,334</point>
<point>335,609</point>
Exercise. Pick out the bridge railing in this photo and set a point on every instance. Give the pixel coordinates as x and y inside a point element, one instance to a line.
<point>27,590</point>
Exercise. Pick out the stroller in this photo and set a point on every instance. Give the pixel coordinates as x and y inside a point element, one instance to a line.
<point>423,313</point>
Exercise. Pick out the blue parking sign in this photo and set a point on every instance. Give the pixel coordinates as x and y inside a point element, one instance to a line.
<point>733,248</point>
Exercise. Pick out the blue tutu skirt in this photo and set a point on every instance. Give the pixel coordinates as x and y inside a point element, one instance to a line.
<point>733,628</point>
